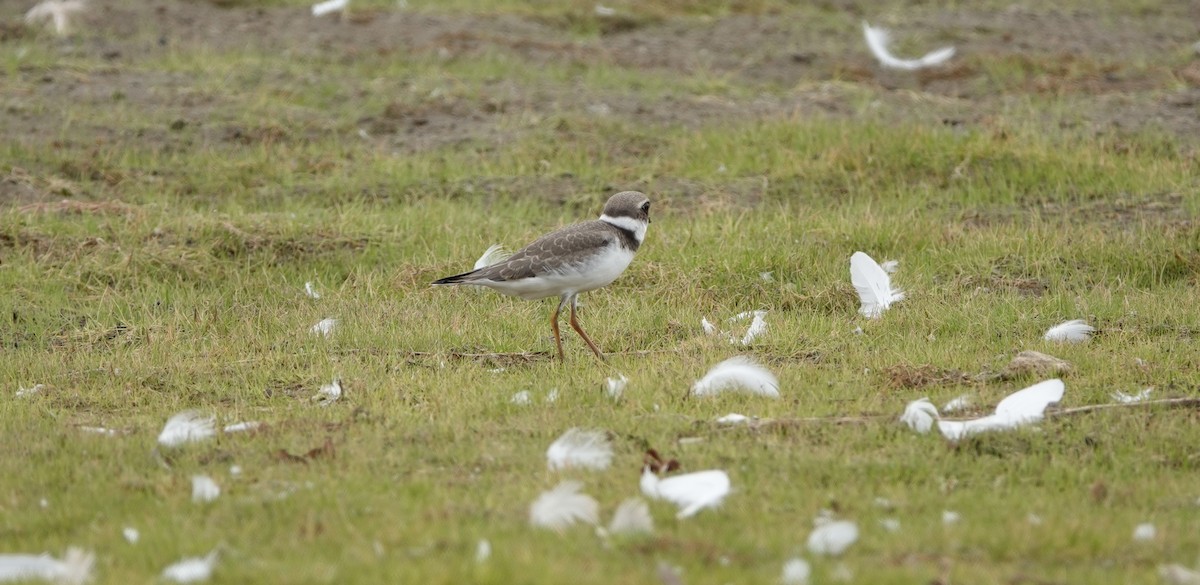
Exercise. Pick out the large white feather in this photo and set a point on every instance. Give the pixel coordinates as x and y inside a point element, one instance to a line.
<point>563,506</point>
<point>736,373</point>
<point>878,40</point>
<point>691,492</point>
<point>832,538</point>
<point>1073,331</point>
<point>1026,406</point>
<point>632,517</point>
<point>193,570</point>
<point>873,284</point>
<point>919,415</point>
<point>188,426</point>
<point>580,448</point>
<point>75,568</point>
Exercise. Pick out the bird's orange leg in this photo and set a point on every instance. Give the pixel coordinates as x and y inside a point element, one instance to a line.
<point>579,330</point>
<point>554,326</point>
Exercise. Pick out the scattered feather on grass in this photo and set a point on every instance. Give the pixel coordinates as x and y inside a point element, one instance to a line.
<point>1123,398</point>
<point>796,571</point>
<point>310,291</point>
<point>737,373</point>
<point>691,492</point>
<point>950,517</point>
<point>890,266</point>
<point>23,392</point>
<point>107,432</point>
<point>329,393</point>
<point>874,286</point>
<point>563,506</point>
<point>832,538</point>
<point>75,568</point>
<point>614,387</point>
<point>521,398</point>
<point>192,570</point>
<point>204,489</point>
<point>733,418</point>
<point>878,40</point>
<point>919,415</point>
<point>580,448</point>
<point>1144,532</point>
<point>1075,331</point>
<point>325,327</point>
<point>188,426</point>
<point>890,524</point>
<point>131,534</point>
<point>329,6</point>
<point>56,12</point>
<point>632,517</point>
<point>709,328</point>
<point>483,551</point>
<point>1020,408</point>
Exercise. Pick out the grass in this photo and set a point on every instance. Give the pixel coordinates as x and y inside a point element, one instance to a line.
<point>150,270</point>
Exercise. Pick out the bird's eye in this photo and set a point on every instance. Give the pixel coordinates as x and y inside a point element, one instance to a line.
<point>646,207</point>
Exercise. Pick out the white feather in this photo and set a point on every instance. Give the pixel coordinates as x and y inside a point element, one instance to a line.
<point>890,266</point>
<point>919,415</point>
<point>204,489</point>
<point>1178,574</point>
<point>1144,532</point>
<point>832,538</point>
<point>100,431</point>
<point>57,12</point>
<point>950,517</point>
<point>737,373</point>
<point>873,284</point>
<point>521,398</point>
<point>878,40</point>
<point>310,291</point>
<point>193,570</point>
<point>1123,398</point>
<point>188,426</point>
<point>75,568</point>
<point>323,8</point>
<point>960,403</point>
<point>614,387</point>
<point>325,327</point>
<point>795,572</point>
<point>483,550</point>
<point>496,253</point>
<point>733,418</point>
<point>632,517</point>
<point>1018,409</point>
<point>709,328</point>
<point>563,506</point>
<point>758,326</point>
<point>131,534</point>
<point>691,492</point>
<point>1071,331</point>
<point>23,392</point>
<point>580,448</point>
<point>890,524</point>
<point>242,427</point>
<point>329,393</point>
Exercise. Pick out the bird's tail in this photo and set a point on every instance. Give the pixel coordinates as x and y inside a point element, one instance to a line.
<point>456,279</point>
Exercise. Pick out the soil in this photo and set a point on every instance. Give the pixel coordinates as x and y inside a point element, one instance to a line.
<point>1119,75</point>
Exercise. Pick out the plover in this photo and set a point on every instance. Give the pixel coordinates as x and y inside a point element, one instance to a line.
<point>569,261</point>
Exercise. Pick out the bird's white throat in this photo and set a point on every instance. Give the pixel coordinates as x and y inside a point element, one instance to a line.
<point>637,226</point>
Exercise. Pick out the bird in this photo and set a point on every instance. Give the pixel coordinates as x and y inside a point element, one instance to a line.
<point>575,259</point>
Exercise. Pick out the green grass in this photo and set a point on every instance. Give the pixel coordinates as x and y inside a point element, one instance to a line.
<point>172,277</point>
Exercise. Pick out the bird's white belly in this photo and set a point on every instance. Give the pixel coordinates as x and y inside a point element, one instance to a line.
<point>602,270</point>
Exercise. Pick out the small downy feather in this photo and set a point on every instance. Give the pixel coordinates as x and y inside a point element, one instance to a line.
<point>758,326</point>
<point>691,492</point>
<point>878,40</point>
<point>192,570</point>
<point>795,572</point>
<point>1074,331</point>
<point>131,534</point>
<point>329,393</point>
<point>873,284</point>
<point>580,448</point>
<point>188,426</point>
<point>1123,398</point>
<point>242,427</point>
<point>310,291</point>
<point>75,568</point>
<point>204,489</point>
<point>832,538</point>
<point>563,506</point>
<point>325,327</point>
<point>496,253</point>
<point>709,328</point>
<point>1018,409</point>
<point>737,373</point>
<point>632,517</point>
<point>919,415</point>
<point>615,387</point>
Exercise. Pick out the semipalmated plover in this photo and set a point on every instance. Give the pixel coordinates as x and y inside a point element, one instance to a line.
<point>569,261</point>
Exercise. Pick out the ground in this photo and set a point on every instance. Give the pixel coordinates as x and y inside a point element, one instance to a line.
<point>174,172</point>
